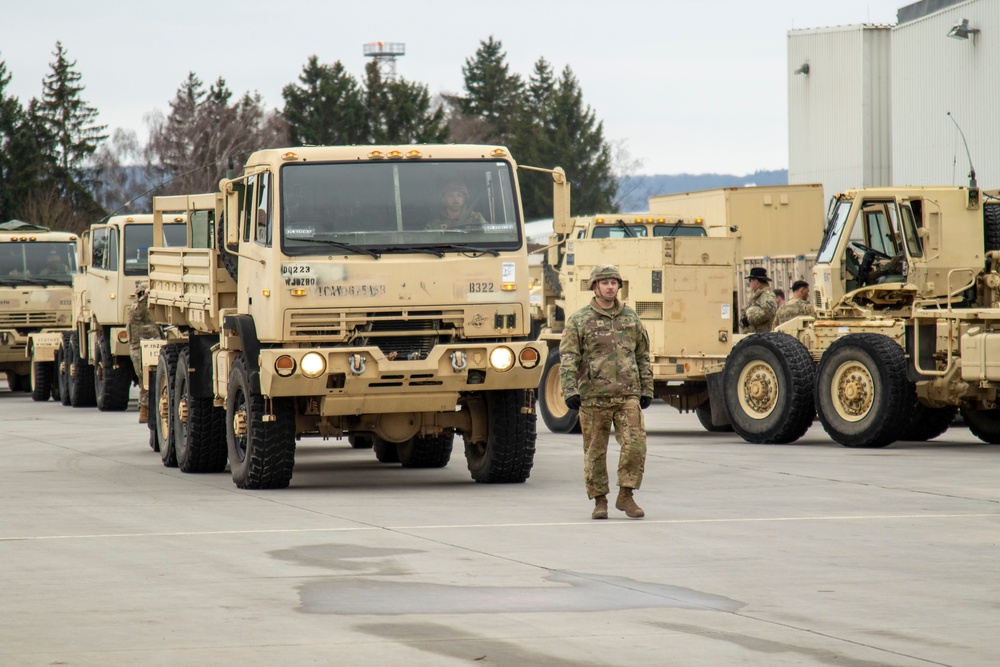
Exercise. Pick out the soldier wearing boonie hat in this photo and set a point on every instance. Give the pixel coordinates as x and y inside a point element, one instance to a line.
<point>758,316</point>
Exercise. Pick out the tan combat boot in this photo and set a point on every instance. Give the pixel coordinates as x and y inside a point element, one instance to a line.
<point>143,414</point>
<point>626,503</point>
<point>600,508</point>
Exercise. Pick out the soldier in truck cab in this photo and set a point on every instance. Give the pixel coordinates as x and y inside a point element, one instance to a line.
<point>455,212</point>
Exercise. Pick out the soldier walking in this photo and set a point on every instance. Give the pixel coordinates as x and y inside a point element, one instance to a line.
<point>758,316</point>
<point>605,374</point>
<point>797,306</point>
<point>140,326</point>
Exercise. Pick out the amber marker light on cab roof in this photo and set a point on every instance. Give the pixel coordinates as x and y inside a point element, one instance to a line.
<point>498,152</point>
<point>394,155</point>
<point>414,153</point>
<point>289,156</point>
<point>599,220</point>
<point>376,155</point>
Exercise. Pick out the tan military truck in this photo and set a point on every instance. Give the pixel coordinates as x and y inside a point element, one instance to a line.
<point>899,345</point>
<point>36,272</point>
<point>95,367</point>
<point>339,302</point>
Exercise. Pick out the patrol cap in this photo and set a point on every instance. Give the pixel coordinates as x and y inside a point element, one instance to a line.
<point>603,271</point>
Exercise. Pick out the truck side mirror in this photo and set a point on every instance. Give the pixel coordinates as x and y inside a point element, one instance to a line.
<point>560,202</point>
<point>232,217</point>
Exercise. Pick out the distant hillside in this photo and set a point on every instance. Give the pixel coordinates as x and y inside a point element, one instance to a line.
<point>634,192</point>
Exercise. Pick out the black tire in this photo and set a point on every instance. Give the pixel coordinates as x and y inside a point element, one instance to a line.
<point>62,367</point>
<point>152,420</point>
<point>81,377</point>
<point>161,404</point>
<point>360,441</point>
<point>768,388</point>
<point>991,226</point>
<point>13,381</point>
<point>862,395</point>
<point>928,423</point>
<point>984,424</point>
<point>432,451</point>
<point>385,452</point>
<point>199,428</point>
<point>704,412</point>
<point>41,382</point>
<point>111,385</point>
<point>229,260</point>
<point>263,455</point>
<point>558,417</point>
<point>508,453</point>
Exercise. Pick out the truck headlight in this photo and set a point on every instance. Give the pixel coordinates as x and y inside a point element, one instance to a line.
<point>284,366</point>
<point>313,364</point>
<point>502,358</point>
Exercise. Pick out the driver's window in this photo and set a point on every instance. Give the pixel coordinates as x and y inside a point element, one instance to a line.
<point>878,232</point>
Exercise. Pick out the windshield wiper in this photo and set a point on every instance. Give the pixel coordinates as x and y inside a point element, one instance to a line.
<point>416,248</point>
<point>342,246</point>
<point>459,247</point>
<point>625,228</point>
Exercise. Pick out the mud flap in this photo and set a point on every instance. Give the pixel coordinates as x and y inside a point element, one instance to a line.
<point>715,399</point>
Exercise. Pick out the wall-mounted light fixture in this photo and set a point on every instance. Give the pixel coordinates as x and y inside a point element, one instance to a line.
<point>962,31</point>
<point>803,69</point>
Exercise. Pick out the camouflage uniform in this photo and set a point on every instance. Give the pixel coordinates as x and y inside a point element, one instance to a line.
<point>604,357</point>
<point>794,307</point>
<point>140,326</point>
<point>889,268</point>
<point>468,220</point>
<point>759,313</point>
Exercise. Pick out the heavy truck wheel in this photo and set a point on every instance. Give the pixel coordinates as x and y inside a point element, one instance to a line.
<point>360,441</point>
<point>984,424</point>
<point>41,380</point>
<point>111,385</point>
<point>161,404</point>
<point>558,417</point>
<point>431,451</point>
<point>991,226</point>
<point>81,377</point>
<point>385,452</point>
<point>768,389</point>
<point>63,359</point>
<point>261,453</point>
<point>199,428</point>
<point>508,453</point>
<point>704,413</point>
<point>862,394</point>
<point>928,423</point>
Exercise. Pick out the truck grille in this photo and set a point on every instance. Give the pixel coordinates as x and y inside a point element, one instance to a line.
<point>28,319</point>
<point>649,310</point>
<point>399,334</point>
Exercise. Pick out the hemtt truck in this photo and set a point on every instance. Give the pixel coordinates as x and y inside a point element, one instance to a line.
<point>36,272</point>
<point>94,363</point>
<point>907,282</point>
<point>340,300</point>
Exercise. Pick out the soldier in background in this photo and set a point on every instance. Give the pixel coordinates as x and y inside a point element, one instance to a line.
<point>779,295</point>
<point>605,373</point>
<point>141,327</point>
<point>796,306</point>
<point>758,316</point>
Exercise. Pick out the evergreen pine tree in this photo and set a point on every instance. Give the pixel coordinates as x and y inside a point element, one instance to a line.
<point>492,93</point>
<point>326,108</point>
<point>399,112</point>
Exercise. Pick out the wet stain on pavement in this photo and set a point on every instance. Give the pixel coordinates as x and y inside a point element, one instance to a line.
<point>380,590</point>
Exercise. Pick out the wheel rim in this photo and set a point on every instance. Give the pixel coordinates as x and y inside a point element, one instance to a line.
<point>182,414</point>
<point>853,391</point>
<point>554,401</point>
<point>758,389</point>
<point>163,408</point>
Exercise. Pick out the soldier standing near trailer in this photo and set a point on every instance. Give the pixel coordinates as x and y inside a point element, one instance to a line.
<point>758,316</point>
<point>140,326</point>
<point>797,306</point>
<point>605,373</point>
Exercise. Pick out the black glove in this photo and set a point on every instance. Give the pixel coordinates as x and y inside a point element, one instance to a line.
<point>744,322</point>
<point>573,402</point>
<point>645,401</point>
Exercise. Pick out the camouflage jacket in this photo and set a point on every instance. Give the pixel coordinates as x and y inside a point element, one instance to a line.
<point>140,324</point>
<point>793,308</point>
<point>604,355</point>
<point>760,310</point>
<point>469,219</point>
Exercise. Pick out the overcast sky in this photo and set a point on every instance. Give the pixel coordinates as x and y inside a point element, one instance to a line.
<point>688,85</point>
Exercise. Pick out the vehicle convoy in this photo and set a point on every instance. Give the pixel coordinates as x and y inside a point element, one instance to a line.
<point>337,302</point>
<point>94,367</point>
<point>36,273</point>
<point>907,283</point>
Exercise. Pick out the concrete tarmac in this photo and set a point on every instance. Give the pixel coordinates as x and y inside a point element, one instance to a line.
<point>803,554</point>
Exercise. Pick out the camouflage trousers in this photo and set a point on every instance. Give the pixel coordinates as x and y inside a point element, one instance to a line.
<point>137,365</point>
<point>630,431</point>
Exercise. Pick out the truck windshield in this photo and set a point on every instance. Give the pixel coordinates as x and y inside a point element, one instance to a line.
<point>138,238</point>
<point>452,206</point>
<point>834,230</point>
<point>38,263</point>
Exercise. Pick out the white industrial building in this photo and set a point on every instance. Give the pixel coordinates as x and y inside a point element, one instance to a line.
<point>869,105</point>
